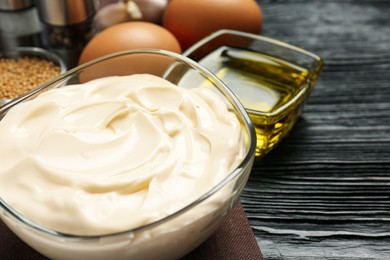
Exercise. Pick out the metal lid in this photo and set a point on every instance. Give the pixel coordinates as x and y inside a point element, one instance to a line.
<point>14,5</point>
<point>65,12</point>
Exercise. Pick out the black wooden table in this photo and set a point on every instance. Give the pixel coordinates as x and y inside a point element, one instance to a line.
<point>324,192</point>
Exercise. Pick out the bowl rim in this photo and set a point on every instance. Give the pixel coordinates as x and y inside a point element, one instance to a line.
<point>310,81</point>
<point>31,50</point>
<point>246,121</point>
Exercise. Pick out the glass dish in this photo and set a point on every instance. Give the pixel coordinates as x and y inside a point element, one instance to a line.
<point>32,52</point>
<point>271,78</point>
<point>175,235</point>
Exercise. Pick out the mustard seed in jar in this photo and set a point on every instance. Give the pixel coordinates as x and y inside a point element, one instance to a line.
<point>20,75</point>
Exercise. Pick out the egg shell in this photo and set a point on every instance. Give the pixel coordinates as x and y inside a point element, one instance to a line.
<point>193,20</point>
<point>129,35</point>
<point>123,65</point>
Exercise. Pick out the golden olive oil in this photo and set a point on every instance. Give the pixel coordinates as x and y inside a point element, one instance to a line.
<point>272,90</point>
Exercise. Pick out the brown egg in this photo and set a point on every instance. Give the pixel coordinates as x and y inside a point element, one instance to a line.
<point>129,35</point>
<point>190,21</point>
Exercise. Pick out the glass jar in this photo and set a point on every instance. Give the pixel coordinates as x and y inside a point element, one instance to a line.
<point>67,26</point>
<point>19,24</point>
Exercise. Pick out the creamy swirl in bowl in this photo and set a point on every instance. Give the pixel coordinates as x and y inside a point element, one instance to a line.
<point>115,153</point>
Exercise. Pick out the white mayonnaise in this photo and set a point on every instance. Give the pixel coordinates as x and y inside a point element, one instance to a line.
<point>115,153</point>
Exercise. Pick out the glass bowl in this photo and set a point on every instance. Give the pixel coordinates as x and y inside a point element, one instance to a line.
<point>271,78</point>
<point>31,78</point>
<point>170,237</point>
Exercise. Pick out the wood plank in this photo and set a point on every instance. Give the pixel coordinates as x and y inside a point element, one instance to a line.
<point>323,193</point>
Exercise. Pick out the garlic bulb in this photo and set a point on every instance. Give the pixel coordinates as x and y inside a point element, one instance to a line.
<point>152,10</point>
<point>130,10</point>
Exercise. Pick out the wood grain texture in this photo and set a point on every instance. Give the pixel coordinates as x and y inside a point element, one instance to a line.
<point>324,192</point>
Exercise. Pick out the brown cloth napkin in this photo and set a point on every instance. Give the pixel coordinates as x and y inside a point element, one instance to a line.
<point>233,240</point>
